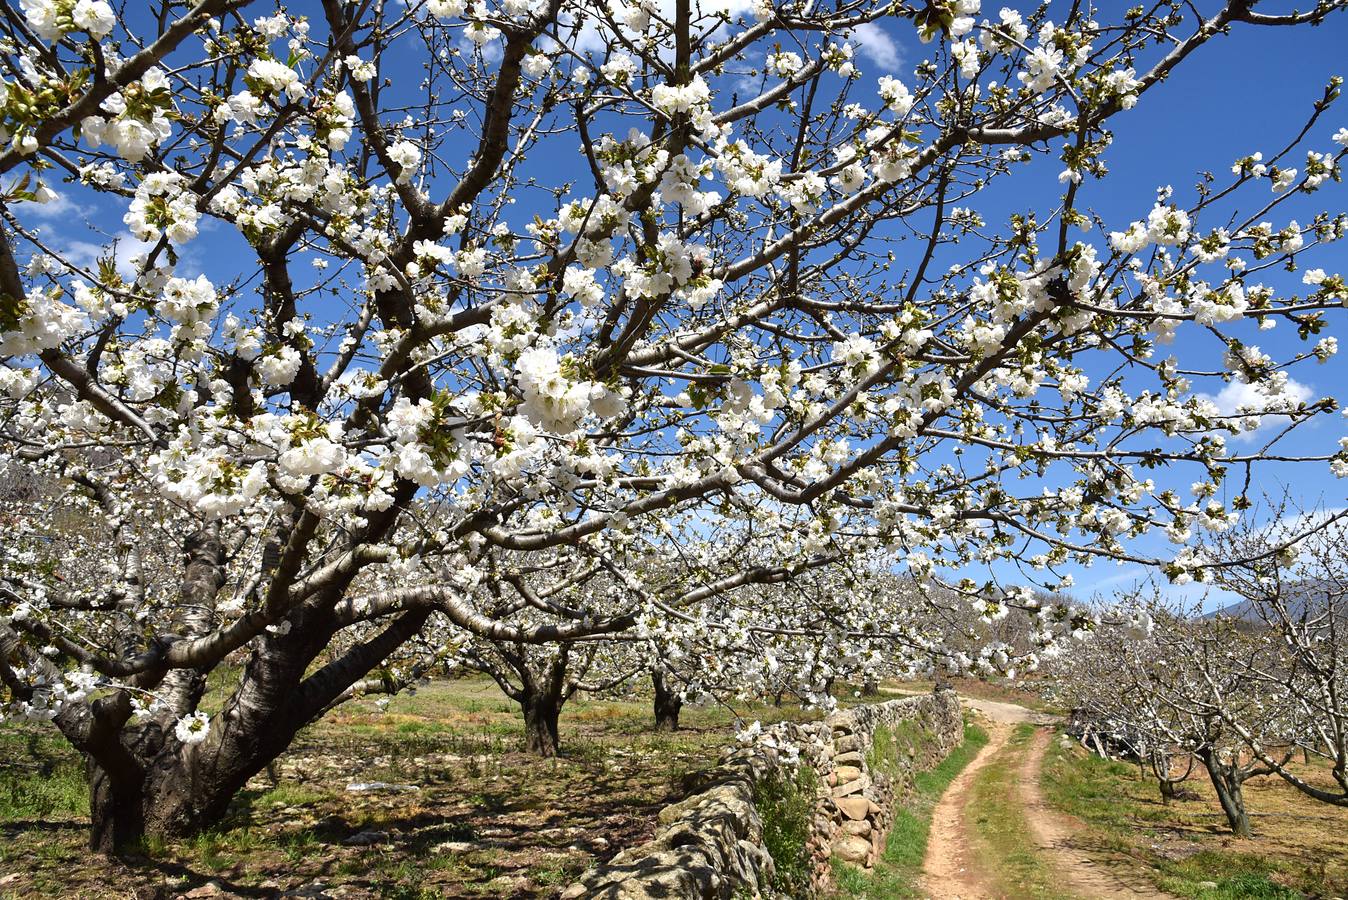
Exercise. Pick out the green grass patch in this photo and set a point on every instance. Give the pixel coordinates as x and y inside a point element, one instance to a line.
<point>999,825</point>
<point>41,777</point>
<point>897,871</point>
<point>1114,801</point>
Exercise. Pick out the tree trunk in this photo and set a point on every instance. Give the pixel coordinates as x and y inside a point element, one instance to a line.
<point>870,687</point>
<point>668,703</point>
<point>1229,794</point>
<point>1160,767</point>
<point>116,812</point>
<point>541,712</point>
<point>144,783</point>
<point>168,800</point>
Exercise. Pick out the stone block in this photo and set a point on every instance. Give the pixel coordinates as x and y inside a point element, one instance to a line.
<point>846,743</point>
<point>854,808</point>
<point>850,788</point>
<point>853,849</point>
<point>861,827</point>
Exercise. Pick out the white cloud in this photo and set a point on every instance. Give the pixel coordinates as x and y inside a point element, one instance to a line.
<point>87,253</point>
<point>1240,398</point>
<point>875,43</point>
<point>1129,576</point>
<point>60,207</point>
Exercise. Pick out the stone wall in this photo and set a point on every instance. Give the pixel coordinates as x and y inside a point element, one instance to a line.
<point>710,845</point>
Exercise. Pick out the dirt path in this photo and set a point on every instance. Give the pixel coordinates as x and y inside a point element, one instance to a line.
<point>951,870</point>
<point>1057,836</point>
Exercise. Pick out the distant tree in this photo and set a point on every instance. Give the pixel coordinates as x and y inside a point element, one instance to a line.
<point>1297,598</point>
<point>1166,685</point>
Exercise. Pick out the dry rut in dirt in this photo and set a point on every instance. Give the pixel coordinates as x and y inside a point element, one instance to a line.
<point>952,870</point>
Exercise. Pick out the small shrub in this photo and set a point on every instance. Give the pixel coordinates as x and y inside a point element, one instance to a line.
<point>786,805</point>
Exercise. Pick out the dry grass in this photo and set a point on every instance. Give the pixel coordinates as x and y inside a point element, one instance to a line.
<point>1299,845</point>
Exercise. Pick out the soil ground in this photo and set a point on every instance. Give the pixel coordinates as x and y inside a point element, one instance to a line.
<point>958,867</point>
<point>951,870</point>
<point>461,813</point>
<point>1088,873</point>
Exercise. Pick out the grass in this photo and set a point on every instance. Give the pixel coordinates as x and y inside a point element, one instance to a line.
<point>527,826</point>
<point>1300,848</point>
<point>41,777</point>
<point>999,827</point>
<point>897,871</point>
<point>893,749</point>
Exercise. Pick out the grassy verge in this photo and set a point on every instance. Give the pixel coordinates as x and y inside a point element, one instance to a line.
<point>897,871</point>
<point>1000,829</point>
<point>41,778</point>
<point>1298,848</point>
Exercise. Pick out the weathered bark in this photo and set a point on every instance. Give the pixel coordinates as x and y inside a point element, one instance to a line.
<point>167,801</point>
<point>116,811</point>
<point>1226,781</point>
<point>149,785</point>
<point>668,703</point>
<point>541,712</point>
<point>544,687</point>
<point>144,783</point>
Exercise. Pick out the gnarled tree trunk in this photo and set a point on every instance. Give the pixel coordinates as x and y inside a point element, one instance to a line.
<point>144,782</point>
<point>541,712</point>
<point>1227,783</point>
<point>668,703</point>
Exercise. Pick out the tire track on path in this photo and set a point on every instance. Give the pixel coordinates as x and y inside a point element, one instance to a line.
<point>952,869</point>
<point>1058,837</point>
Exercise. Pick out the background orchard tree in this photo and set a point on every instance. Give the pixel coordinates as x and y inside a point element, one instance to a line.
<point>430,330</point>
<point>1294,599</point>
<point>1169,683</point>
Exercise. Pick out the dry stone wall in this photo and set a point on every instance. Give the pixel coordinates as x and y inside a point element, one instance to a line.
<point>710,845</point>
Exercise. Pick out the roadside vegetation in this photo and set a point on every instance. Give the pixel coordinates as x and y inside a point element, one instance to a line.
<point>1298,850</point>
<point>786,806</point>
<point>899,868</point>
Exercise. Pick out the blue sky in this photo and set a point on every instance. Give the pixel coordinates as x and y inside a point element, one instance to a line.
<point>1250,90</point>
